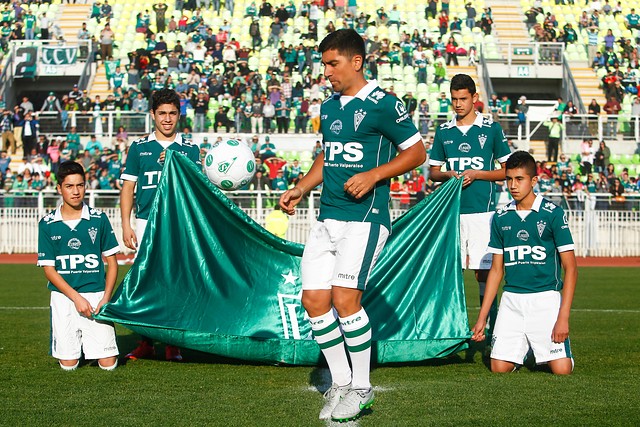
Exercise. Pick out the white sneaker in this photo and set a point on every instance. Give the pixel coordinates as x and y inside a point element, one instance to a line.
<point>332,397</point>
<point>352,404</point>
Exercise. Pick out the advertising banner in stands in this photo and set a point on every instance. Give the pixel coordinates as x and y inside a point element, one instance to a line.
<point>25,62</point>
<point>209,278</point>
<point>59,55</point>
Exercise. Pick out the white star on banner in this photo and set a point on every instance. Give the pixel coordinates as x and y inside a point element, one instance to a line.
<point>289,278</point>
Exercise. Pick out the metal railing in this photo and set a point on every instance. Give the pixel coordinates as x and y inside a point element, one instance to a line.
<point>523,53</point>
<point>570,88</point>
<point>99,123</point>
<point>621,127</point>
<point>600,225</point>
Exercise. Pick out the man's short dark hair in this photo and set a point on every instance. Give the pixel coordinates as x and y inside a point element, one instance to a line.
<point>522,159</point>
<point>346,41</point>
<point>69,168</point>
<point>463,81</point>
<point>165,96</point>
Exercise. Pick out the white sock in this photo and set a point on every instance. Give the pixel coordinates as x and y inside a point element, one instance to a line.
<point>328,335</point>
<point>109,368</point>
<point>69,368</point>
<point>357,336</point>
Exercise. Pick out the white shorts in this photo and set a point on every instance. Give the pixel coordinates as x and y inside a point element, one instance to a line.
<point>72,334</point>
<point>475,232</point>
<point>141,226</point>
<point>341,253</point>
<point>527,320</point>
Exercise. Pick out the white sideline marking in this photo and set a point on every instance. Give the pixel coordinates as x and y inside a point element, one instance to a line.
<point>585,310</point>
<point>24,308</point>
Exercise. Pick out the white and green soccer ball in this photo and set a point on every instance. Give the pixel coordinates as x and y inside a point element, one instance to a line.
<point>229,164</point>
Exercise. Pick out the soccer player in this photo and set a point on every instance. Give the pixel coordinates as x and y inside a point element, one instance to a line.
<point>72,240</point>
<point>362,127</point>
<point>145,161</point>
<point>469,145</point>
<point>530,238</point>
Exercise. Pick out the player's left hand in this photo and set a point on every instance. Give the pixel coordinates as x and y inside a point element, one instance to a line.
<point>469,176</point>
<point>560,331</point>
<point>360,184</point>
<point>163,154</point>
<point>100,304</point>
<point>478,331</point>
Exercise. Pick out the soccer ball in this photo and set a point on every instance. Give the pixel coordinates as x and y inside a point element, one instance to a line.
<point>229,164</point>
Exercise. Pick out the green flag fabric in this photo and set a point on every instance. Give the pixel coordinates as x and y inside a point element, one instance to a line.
<point>209,278</point>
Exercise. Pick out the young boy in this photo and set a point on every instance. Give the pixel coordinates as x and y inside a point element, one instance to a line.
<point>71,243</point>
<point>530,238</point>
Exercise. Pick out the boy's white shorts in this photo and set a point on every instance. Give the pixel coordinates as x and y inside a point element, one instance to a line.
<point>72,334</point>
<point>527,320</point>
<point>475,232</point>
<point>341,253</point>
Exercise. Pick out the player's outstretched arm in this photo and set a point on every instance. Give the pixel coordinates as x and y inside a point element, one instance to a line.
<point>471,175</point>
<point>561,328</point>
<point>437,175</point>
<point>82,305</point>
<point>493,282</point>
<point>290,198</point>
<point>110,283</point>
<point>360,184</point>
<point>126,206</point>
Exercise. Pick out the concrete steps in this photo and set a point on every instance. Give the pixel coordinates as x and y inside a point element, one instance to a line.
<point>100,85</point>
<point>70,18</point>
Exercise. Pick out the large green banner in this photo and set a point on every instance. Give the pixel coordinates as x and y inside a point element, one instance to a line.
<point>209,278</point>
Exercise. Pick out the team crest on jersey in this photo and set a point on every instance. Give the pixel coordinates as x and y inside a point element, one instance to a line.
<point>523,235</point>
<point>93,232</point>
<point>482,139</point>
<point>464,147</point>
<point>74,243</point>
<point>358,117</point>
<point>541,225</point>
<point>336,127</point>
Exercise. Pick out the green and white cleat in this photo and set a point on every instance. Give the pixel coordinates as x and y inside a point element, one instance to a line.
<point>332,397</point>
<point>352,404</point>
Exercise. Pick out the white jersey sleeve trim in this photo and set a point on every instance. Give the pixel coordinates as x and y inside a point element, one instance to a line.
<point>411,141</point>
<point>111,251</point>
<point>496,251</point>
<point>504,158</point>
<point>127,177</point>
<point>566,248</point>
<point>46,263</point>
<point>435,162</point>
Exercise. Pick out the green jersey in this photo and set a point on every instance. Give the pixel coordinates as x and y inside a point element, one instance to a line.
<point>531,245</point>
<point>360,133</point>
<point>30,21</point>
<point>478,147</point>
<point>144,168</point>
<point>76,250</point>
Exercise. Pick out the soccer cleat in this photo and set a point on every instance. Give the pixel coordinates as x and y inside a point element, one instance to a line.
<point>352,404</point>
<point>332,397</point>
<point>143,351</point>
<point>172,353</point>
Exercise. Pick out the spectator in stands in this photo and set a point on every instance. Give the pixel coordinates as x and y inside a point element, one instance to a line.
<point>6,126</point>
<point>555,132</point>
<point>632,20</point>
<point>471,15</point>
<point>29,133</point>
<point>160,9</point>
<point>221,119</point>
<point>593,109</point>
<point>486,21</point>
<point>267,149</point>
<point>443,22</point>
<point>279,183</point>
<point>424,119</point>
<point>612,108</point>
<point>452,52</point>
<point>601,158</point>
<point>106,42</point>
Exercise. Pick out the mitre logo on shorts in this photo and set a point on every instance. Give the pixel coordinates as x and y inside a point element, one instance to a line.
<point>523,235</point>
<point>74,243</point>
<point>346,276</point>
<point>464,147</point>
<point>482,139</point>
<point>336,127</point>
<point>93,232</point>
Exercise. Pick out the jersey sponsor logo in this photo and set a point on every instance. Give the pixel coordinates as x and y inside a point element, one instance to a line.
<point>153,177</point>
<point>447,142</point>
<point>93,232</point>
<point>464,163</point>
<point>548,206</point>
<point>402,111</point>
<point>520,252</point>
<point>541,225</point>
<point>358,117</point>
<point>56,238</point>
<point>146,153</point>
<point>523,235</point>
<point>376,96</point>
<point>506,227</point>
<point>350,151</point>
<point>74,243</point>
<point>71,262</point>
<point>482,139</point>
<point>336,127</point>
<point>464,147</point>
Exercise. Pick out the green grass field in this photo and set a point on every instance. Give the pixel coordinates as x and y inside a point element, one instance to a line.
<point>604,390</point>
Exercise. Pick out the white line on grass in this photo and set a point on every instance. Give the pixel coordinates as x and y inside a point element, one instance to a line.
<point>24,308</point>
<point>586,310</point>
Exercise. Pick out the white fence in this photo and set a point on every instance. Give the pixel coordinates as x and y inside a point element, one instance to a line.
<point>598,232</point>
